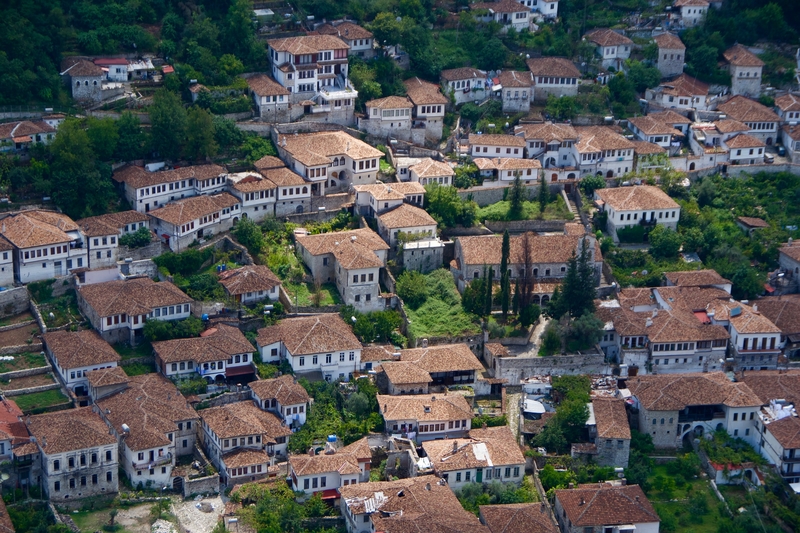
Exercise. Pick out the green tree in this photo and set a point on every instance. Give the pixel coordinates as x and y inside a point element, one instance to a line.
<point>621,88</point>
<point>492,55</point>
<point>664,242</point>
<point>168,123</point>
<point>249,234</point>
<point>505,281</point>
<point>641,76</point>
<point>551,340</point>
<point>137,239</point>
<point>444,205</point>
<point>544,195</point>
<point>587,329</point>
<point>226,134</point>
<point>358,405</point>
<point>386,29</point>
<point>132,142</point>
<point>592,183</point>
<point>487,305</point>
<point>529,314</point>
<point>103,137</point>
<point>200,142</point>
<point>474,298</point>
<point>650,51</point>
<point>516,199</point>
<point>412,288</point>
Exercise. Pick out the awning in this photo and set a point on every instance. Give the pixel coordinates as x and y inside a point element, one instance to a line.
<point>769,288</point>
<point>239,370</point>
<point>167,69</point>
<point>330,494</point>
<point>24,139</point>
<point>702,316</point>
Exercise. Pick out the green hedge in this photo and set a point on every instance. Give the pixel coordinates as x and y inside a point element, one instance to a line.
<point>633,234</point>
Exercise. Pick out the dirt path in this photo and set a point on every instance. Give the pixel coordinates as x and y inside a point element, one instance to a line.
<point>135,519</point>
<point>512,412</point>
<point>193,520</point>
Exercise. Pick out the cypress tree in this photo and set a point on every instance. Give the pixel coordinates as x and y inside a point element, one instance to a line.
<point>505,281</point>
<point>488,303</point>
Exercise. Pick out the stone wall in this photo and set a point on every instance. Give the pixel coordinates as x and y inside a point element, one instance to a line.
<point>521,226</point>
<point>484,196</point>
<point>153,249</point>
<point>14,301</point>
<point>145,267</point>
<point>201,485</point>
<point>21,348</point>
<point>26,372</point>
<point>31,390</point>
<point>515,369</point>
<point>229,397</point>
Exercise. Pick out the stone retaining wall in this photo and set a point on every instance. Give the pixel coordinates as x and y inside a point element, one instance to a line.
<point>26,372</point>
<point>521,226</point>
<point>515,369</point>
<point>18,325</point>
<point>31,390</point>
<point>21,348</point>
<point>201,485</point>
<point>14,301</point>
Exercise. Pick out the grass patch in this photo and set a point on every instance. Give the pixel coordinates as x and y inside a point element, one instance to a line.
<point>629,267</point>
<point>556,210</point>
<point>15,319</point>
<point>91,521</point>
<point>39,400</point>
<point>22,361</point>
<point>303,293</point>
<point>441,315</point>
<point>126,351</point>
<point>137,369</point>
<point>499,329</point>
<point>64,310</point>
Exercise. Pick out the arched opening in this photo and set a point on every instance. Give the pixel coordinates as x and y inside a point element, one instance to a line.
<point>599,173</point>
<point>769,141</point>
<point>177,485</point>
<point>333,183</point>
<point>571,176</point>
<point>335,174</point>
<point>210,380</point>
<point>299,209</point>
<point>536,300</point>
<point>545,300</point>
<point>305,190</point>
<point>720,426</point>
<point>476,275</point>
<point>77,84</point>
<point>554,177</point>
<point>219,379</point>
<point>551,162</point>
<point>236,219</point>
<point>81,390</point>
<point>691,166</point>
<point>610,174</point>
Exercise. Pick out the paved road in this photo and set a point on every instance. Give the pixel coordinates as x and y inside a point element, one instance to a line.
<point>532,348</point>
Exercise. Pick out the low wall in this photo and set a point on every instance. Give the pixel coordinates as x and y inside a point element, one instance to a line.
<point>14,301</point>
<point>515,369</point>
<point>521,226</point>
<point>229,397</point>
<point>31,390</point>
<point>21,348</point>
<point>487,195</point>
<point>289,307</point>
<point>153,249</point>
<point>26,372</point>
<point>144,267</point>
<point>19,325</point>
<point>201,485</point>
<point>466,232</point>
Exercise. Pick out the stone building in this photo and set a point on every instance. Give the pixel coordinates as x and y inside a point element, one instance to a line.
<point>671,54</point>
<point>745,69</point>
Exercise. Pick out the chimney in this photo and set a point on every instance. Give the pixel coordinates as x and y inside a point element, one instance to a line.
<point>428,487</point>
<point>571,486</point>
<point>455,446</point>
<point>583,502</point>
<point>755,308</point>
<point>648,322</point>
<point>311,452</point>
<point>655,313</point>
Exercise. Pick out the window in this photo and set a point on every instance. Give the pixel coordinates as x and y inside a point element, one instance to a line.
<point>57,486</point>
<point>56,465</point>
<point>458,477</point>
<point>71,462</point>
<point>72,483</point>
<point>516,471</point>
<point>306,484</point>
<point>108,455</point>
<point>109,476</point>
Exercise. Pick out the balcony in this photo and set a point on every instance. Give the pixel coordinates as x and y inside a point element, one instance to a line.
<point>158,461</point>
<point>700,415</point>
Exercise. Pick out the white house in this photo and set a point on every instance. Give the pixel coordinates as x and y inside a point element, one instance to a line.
<point>46,245</point>
<point>293,193</point>
<point>374,199</point>
<point>605,507</point>
<point>653,130</point>
<point>270,97</point>
<point>103,232</point>
<point>74,353</point>
<point>250,283</point>
<point>603,151</point>
<point>320,343</point>
<point>405,222</point>
<point>6,263</point>
<point>641,204</point>
<point>744,149</point>
<point>242,441</point>
<point>511,15</point>
<point>551,144</point>
<point>745,69</point>
<point>360,40</point>
<point>671,54</point>
<point>465,84</point>
<point>554,75</point>
<point>388,117</point>
<point>147,190</point>
<point>154,424</point>
<point>181,223</point>
<point>118,309</point>
<point>283,396</point>
<point>788,108</point>
<point>429,107</point>
<point>256,194</point>
<point>780,438</point>
<point>684,92</point>
<point>219,353</point>
<point>484,456</point>
<point>613,48</point>
<point>78,454</point>
<point>516,90</point>
<point>431,171</point>
<point>352,260</point>
<point>20,136</point>
<point>490,145</point>
<point>426,417</point>
<point>762,121</point>
<point>692,12</point>
<point>332,469</point>
<point>505,170</point>
<point>755,339</point>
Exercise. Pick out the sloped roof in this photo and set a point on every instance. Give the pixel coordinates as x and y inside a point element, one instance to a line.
<point>391,191</point>
<point>442,358</point>
<point>189,209</point>
<point>37,228</point>
<point>390,102</point>
<point>673,392</point>
<point>606,505</point>
<point>747,110</point>
<point>136,296</point>
<point>518,518</point>
<point>314,149</point>
<point>311,335</point>
<point>344,461</point>
<point>515,78</point>
<point>424,407</point>
<point>637,198</point>
<point>483,448</point>
<point>611,418</point>
<point>788,102</point>
<point>669,41</point>
<point>107,376</point>
<point>423,93</point>
<point>430,168</point>
<point>284,388</point>
<point>753,222</point>
<point>783,312</point>
<point>263,85</point>
<point>345,30</point>
<point>496,140</point>
<point>684,85</point>
<point>404,373</point>
<point>70,430</point>
<point>607,37</point>
<point>406,216</point>
<point>219,343</point>
<point>650,125</point>
<point>739,56</point>
<point>553,66</point>
<point>600,138</point>
<point>308,44</point>
<point>500,6</point>
<point>244,418</point>
<point>75,349</point>
<point>547,132</point>
<point>695,278</point>
<point>463,73</point>
<point>327,243</point>
<point>80,68</point>
<point>138,177</point>
<point>249,278</point>
<point>770,385</point>
<point>487,249</point>
<point>743,140</point>
<point>109,224</point>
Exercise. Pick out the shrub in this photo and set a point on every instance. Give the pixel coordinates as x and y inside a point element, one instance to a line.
<point>141,237</point>
<point>412,288</point>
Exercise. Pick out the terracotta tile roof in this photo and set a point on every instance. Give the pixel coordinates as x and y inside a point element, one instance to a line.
<point>284,388</point>
<point>650,125</point>
<point>608,37</point>
<point>547,132</point>
<point>753,222</point>
<point>282,177</point>
<point>599,138</point>
<point>681,3</point>
<point>424,93</point>
<point>744,140</point>
<point>37,228</point>
<point>496,349</point>
<point>249,278</point>
<point>110,224</point>
<point>788,102</point>
<point>107,376</point>
<point>669,41</point>
<point>430,168</point>
<point>6,526</point>
<point>442,358</point>
<point>487,249</point>
<point>11,130</point>
<point>406,216</point>
<point>514,78</point>
<point>314,149</point>
<point>424,408</point>
<point>242,419</point>
<point>500,6</point>
<point>189,209</point>
<point>673,392</point>
<point>746,110</point>
<point>669,116</point>
<point>5,245</point>
<point>378,353</point>
<point>404,373</point>
<point>311,335</point>
<point>786,431</point>
<point>151,407</point>
<point>512,163</point>
<point>251,182</point>
<point>12,425</point>
<point>269,162</point>
<point>70,430</point>
<point>739,56</point>
<point>263,85</point>
<point>783,312</point>
<point>684,85</point>
<point>138,177</point>
<point>80,68</point>
<point>695,278</point>
<point>553,66</point>
<point>366,240</point>
<point>791,250</point>
<point>463,73</point>
<point>344,461</point>
<point>693,298</point>
<point>308,44</point>
<point>245,457</point>
<point>496,140</point>
<point>391,191</point>
<point>606,505</point>
<point>390,102</point>
<point>483,448</point>
<point>637,198</point>
<point>730,126</point>
<point>518,518</point>
<point>647,148</point>
<point>626,323</point>
<point>75,349</point>
<point>345,30</point>
<point>770,385</point>
<point>136,296</point>
<point>611,418</point>
<point>219,343</point>
<point>751,321</point>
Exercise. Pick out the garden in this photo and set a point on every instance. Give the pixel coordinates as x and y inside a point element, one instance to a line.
<point>56,311</point>
<point>39,402</point>
<point>23,361</point>
<point>517,204</point>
